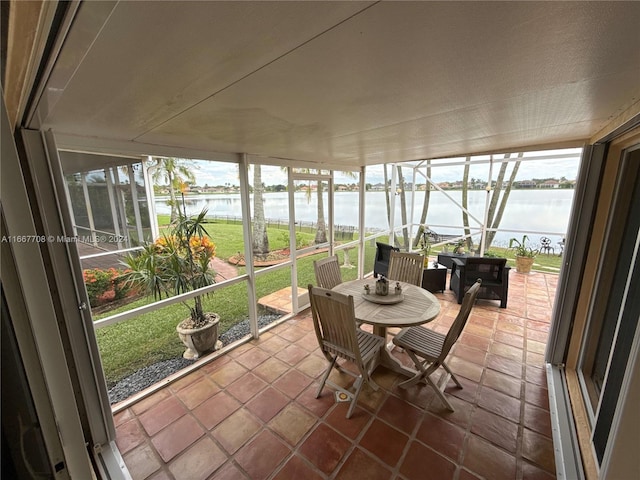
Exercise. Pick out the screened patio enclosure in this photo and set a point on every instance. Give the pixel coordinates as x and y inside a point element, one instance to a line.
<point>328,87</point>
<point>310,215</point>
<point>481,200</point>
<point>110,213</point>
<point>111,200</point>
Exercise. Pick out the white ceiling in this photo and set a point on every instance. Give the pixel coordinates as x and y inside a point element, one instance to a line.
<point>344,83</point>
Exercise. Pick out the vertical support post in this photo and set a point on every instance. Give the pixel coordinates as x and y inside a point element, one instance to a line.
<point>361,222</point>
<point>122,212</point>
<point>243,171</point>
<point>67,196</point>
<point>483,235</point>
<point>87,202</point>
<point>330,197</point>
<point>136,205</point>
<point>292,240</point>
<point>392,216</point>
<point>413,205</point>
<point>112,205</point>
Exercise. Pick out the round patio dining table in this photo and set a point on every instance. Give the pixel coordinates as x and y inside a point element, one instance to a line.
<point>418,306</point>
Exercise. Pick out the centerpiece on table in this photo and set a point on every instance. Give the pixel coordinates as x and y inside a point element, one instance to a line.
<point>176,263</point>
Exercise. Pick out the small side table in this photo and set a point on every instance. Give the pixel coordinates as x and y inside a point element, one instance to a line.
<point>434,277</point>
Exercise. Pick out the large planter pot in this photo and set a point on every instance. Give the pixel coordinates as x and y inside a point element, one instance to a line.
<point>523,264</point>
<point>199,340</point>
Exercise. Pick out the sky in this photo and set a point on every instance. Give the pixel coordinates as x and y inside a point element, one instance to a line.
<point>218,173</point>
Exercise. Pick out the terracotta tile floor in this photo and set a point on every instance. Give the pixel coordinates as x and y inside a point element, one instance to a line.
<point>251,414</point>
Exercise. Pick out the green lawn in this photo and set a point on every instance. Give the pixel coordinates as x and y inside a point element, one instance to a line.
<point>133,344</point>
<point>151,337</point>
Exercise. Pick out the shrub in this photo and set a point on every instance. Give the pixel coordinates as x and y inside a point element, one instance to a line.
<point>176,263</point>
<point>121,287</point>
<point>100,282</point>
<point>97,283</point>
<point>300,239</point>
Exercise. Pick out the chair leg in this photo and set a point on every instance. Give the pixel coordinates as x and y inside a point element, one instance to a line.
<point>425,374</point>
<point>367,379</point>
<point>363,378</point>
<point>325,376</point>
<point>420,366</point>
<point>358,386</point>
<point>453,377</point>
<point>439,393</point>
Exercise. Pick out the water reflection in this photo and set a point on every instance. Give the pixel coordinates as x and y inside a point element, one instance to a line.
<point>529,210</point>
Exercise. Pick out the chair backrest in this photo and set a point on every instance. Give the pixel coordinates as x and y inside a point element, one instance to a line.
<point>383,251</point>
<point>406,267</point>
<point>334,322</point>
<point>488,269</point>
<point>327,272</point>
<point>461,319</point>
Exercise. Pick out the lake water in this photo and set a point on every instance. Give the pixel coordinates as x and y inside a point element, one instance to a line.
<point>527,210</point>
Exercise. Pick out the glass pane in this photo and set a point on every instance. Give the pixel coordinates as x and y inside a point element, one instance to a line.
<point>403,200</point>
<point>311,212</point>
<point>543,194</point>
<point>78,204</point>
<point>348,260</point>
<point>275,295</point>
<point>105,214</point>
<point>605,332</point>
<point>269,214</point>
<point>444,216</point>
<point>346,207</point>
<point>375,209</point>
<point>214,186</point>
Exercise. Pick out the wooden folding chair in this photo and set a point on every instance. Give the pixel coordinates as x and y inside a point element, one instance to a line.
<point>429,349</point>
<point>327,272</point>
<point>406,267</point>
<point>338,336</point>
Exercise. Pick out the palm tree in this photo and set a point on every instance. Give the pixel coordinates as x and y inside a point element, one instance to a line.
<point>494,217</point>
<point>495,211</point>
<point>321,229</point>
<point>400,186</point>
<point>174,171</point>
<point>321,225</point>
<point>260,237</point>
<point>425,206</point>
<point>465,202</point>
<point>403,208</point>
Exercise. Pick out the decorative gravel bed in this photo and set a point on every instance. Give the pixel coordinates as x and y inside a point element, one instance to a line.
<point>147,376</point>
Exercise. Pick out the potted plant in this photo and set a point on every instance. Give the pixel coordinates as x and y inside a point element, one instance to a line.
<point>176,263</point>
<point>524,254</point>
<point>459,248</point>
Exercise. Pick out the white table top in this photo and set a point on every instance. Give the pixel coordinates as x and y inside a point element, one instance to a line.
<point>419,306</point>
